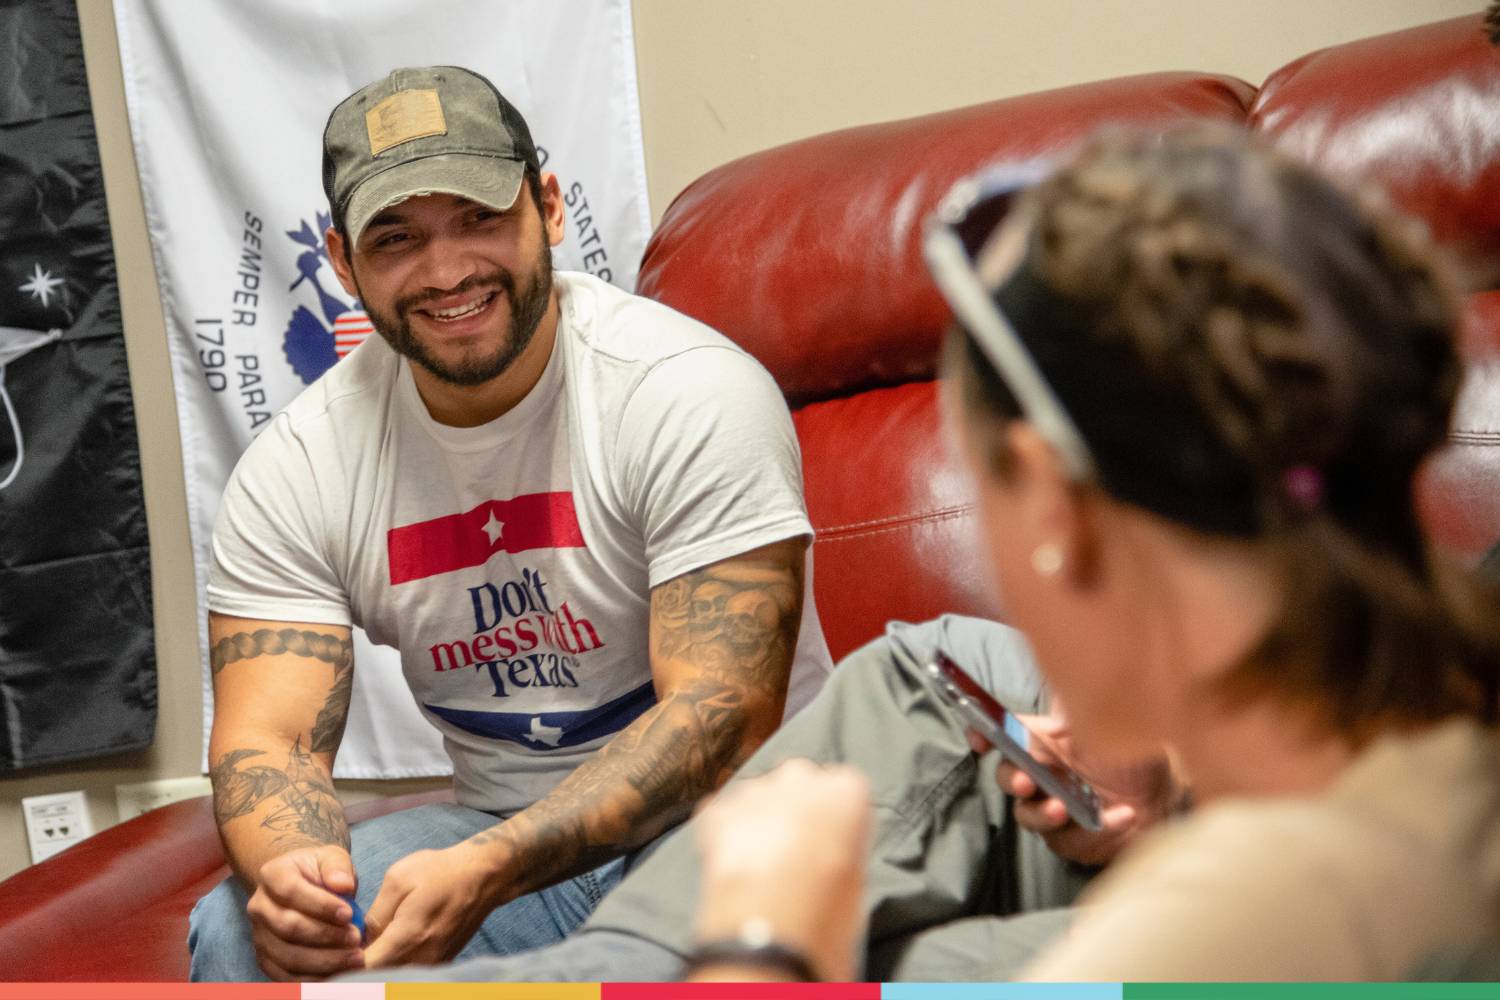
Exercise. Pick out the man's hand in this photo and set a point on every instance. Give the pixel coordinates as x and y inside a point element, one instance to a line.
<point>428,908</point>
<point>788,850</point>
<point>300,926</point>
<point>1132,796</point>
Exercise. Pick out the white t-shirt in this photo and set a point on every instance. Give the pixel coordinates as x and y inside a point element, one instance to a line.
<point>512,563</point>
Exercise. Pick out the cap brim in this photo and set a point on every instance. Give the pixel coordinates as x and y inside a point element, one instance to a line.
<point>488,180</point>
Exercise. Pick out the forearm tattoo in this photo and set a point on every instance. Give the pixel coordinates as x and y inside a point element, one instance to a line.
<point>306,808</point>
<point>328,730</point>
<point>737,624</point>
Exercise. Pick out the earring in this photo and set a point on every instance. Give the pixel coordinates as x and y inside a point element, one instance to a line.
<point>1047,559</point>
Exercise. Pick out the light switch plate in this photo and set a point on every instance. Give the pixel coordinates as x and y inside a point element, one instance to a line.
<point>55,822</point>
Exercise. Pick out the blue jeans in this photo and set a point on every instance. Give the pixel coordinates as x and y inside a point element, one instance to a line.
<point>219,929</point>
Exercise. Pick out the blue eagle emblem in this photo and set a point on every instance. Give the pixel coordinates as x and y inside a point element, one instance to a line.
<point>313,345</point>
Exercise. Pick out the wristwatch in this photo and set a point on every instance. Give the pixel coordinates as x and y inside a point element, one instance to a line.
<point>755,946</point>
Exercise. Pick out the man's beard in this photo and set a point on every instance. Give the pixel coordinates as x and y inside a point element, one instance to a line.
<point>528,305</point>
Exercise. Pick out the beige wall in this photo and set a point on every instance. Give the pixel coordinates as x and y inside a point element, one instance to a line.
<point>718,78</point>
<point>721,79</point>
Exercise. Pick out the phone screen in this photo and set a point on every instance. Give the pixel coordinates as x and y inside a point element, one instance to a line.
<point>1008,735</point>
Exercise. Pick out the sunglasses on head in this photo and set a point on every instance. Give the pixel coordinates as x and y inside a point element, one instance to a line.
<point>967,264</point>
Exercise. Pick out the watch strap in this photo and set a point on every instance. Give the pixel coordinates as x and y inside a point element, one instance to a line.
<point>769,955</point>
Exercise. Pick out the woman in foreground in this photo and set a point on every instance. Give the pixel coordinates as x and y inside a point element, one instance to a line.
<point>1194,384</point>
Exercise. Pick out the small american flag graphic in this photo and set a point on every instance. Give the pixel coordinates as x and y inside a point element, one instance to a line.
<point>350,330</point>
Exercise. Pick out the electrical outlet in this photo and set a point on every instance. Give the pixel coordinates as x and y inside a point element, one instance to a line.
<point>132,800</point>
<point>55,822</point>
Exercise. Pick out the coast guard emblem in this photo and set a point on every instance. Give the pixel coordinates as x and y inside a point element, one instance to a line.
<point>313,345</point>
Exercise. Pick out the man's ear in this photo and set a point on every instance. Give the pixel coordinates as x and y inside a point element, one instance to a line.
<point>554,215</point>
<point>338,256</point>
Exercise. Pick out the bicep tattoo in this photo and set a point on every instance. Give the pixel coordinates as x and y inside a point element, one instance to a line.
<point>273,642</point>
<point>328,730</point>
<point>738,619</point>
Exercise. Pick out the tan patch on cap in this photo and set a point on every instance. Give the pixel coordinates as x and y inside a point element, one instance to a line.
<point>402,117</point>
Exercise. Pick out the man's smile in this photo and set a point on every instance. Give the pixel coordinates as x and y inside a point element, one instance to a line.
<point>454,309</point>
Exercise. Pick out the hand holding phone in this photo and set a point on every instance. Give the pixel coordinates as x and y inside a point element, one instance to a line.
<point>1007,734</point>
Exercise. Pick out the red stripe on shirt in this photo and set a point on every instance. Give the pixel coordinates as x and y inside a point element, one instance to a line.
<point>459,541</point>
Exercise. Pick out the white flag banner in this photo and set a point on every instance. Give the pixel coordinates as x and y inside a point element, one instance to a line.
<point>227,105</point>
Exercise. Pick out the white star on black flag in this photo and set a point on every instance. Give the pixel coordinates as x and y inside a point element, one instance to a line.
<point>41,285</point>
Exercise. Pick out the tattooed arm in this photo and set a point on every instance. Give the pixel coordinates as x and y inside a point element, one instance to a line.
<point>281,695</point>
<point>722,640</point>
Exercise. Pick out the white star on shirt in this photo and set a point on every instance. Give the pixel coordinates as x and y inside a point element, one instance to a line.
<point>493,528</point>
<point>548,735</point>
<point>41,285</point>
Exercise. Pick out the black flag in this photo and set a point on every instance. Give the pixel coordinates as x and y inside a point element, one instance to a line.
<point>77,656</point>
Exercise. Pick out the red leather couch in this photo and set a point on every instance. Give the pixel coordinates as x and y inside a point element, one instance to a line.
<point>808,255</point>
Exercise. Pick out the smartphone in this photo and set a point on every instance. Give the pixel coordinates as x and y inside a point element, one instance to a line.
<point>1006,734</point>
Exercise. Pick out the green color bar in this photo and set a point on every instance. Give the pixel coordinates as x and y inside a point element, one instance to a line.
<point>1312,991</point>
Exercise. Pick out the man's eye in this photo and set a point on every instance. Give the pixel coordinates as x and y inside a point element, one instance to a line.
<point>388,240</point>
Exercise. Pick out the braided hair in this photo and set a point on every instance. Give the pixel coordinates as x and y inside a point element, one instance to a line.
<point>1251,353</point>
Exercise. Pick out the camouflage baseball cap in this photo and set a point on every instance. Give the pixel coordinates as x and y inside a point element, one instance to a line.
<point>423,131</point>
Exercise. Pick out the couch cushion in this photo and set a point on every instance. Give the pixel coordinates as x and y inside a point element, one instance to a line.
<point>1415,113</point>
<point>895,535</point>
<point>1459,492</point>
<point>808,254</point>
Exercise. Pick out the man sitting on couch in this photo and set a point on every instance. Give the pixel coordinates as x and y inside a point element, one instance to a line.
<point>577,513</point>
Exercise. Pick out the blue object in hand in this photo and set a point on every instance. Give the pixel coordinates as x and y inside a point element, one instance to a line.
<point>358,918</point>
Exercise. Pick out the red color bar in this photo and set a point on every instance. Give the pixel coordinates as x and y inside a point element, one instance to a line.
<point>150,991</point>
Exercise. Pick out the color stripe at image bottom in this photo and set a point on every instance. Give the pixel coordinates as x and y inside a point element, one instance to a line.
<point>1000,991</point>
<point>1312,991</point>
